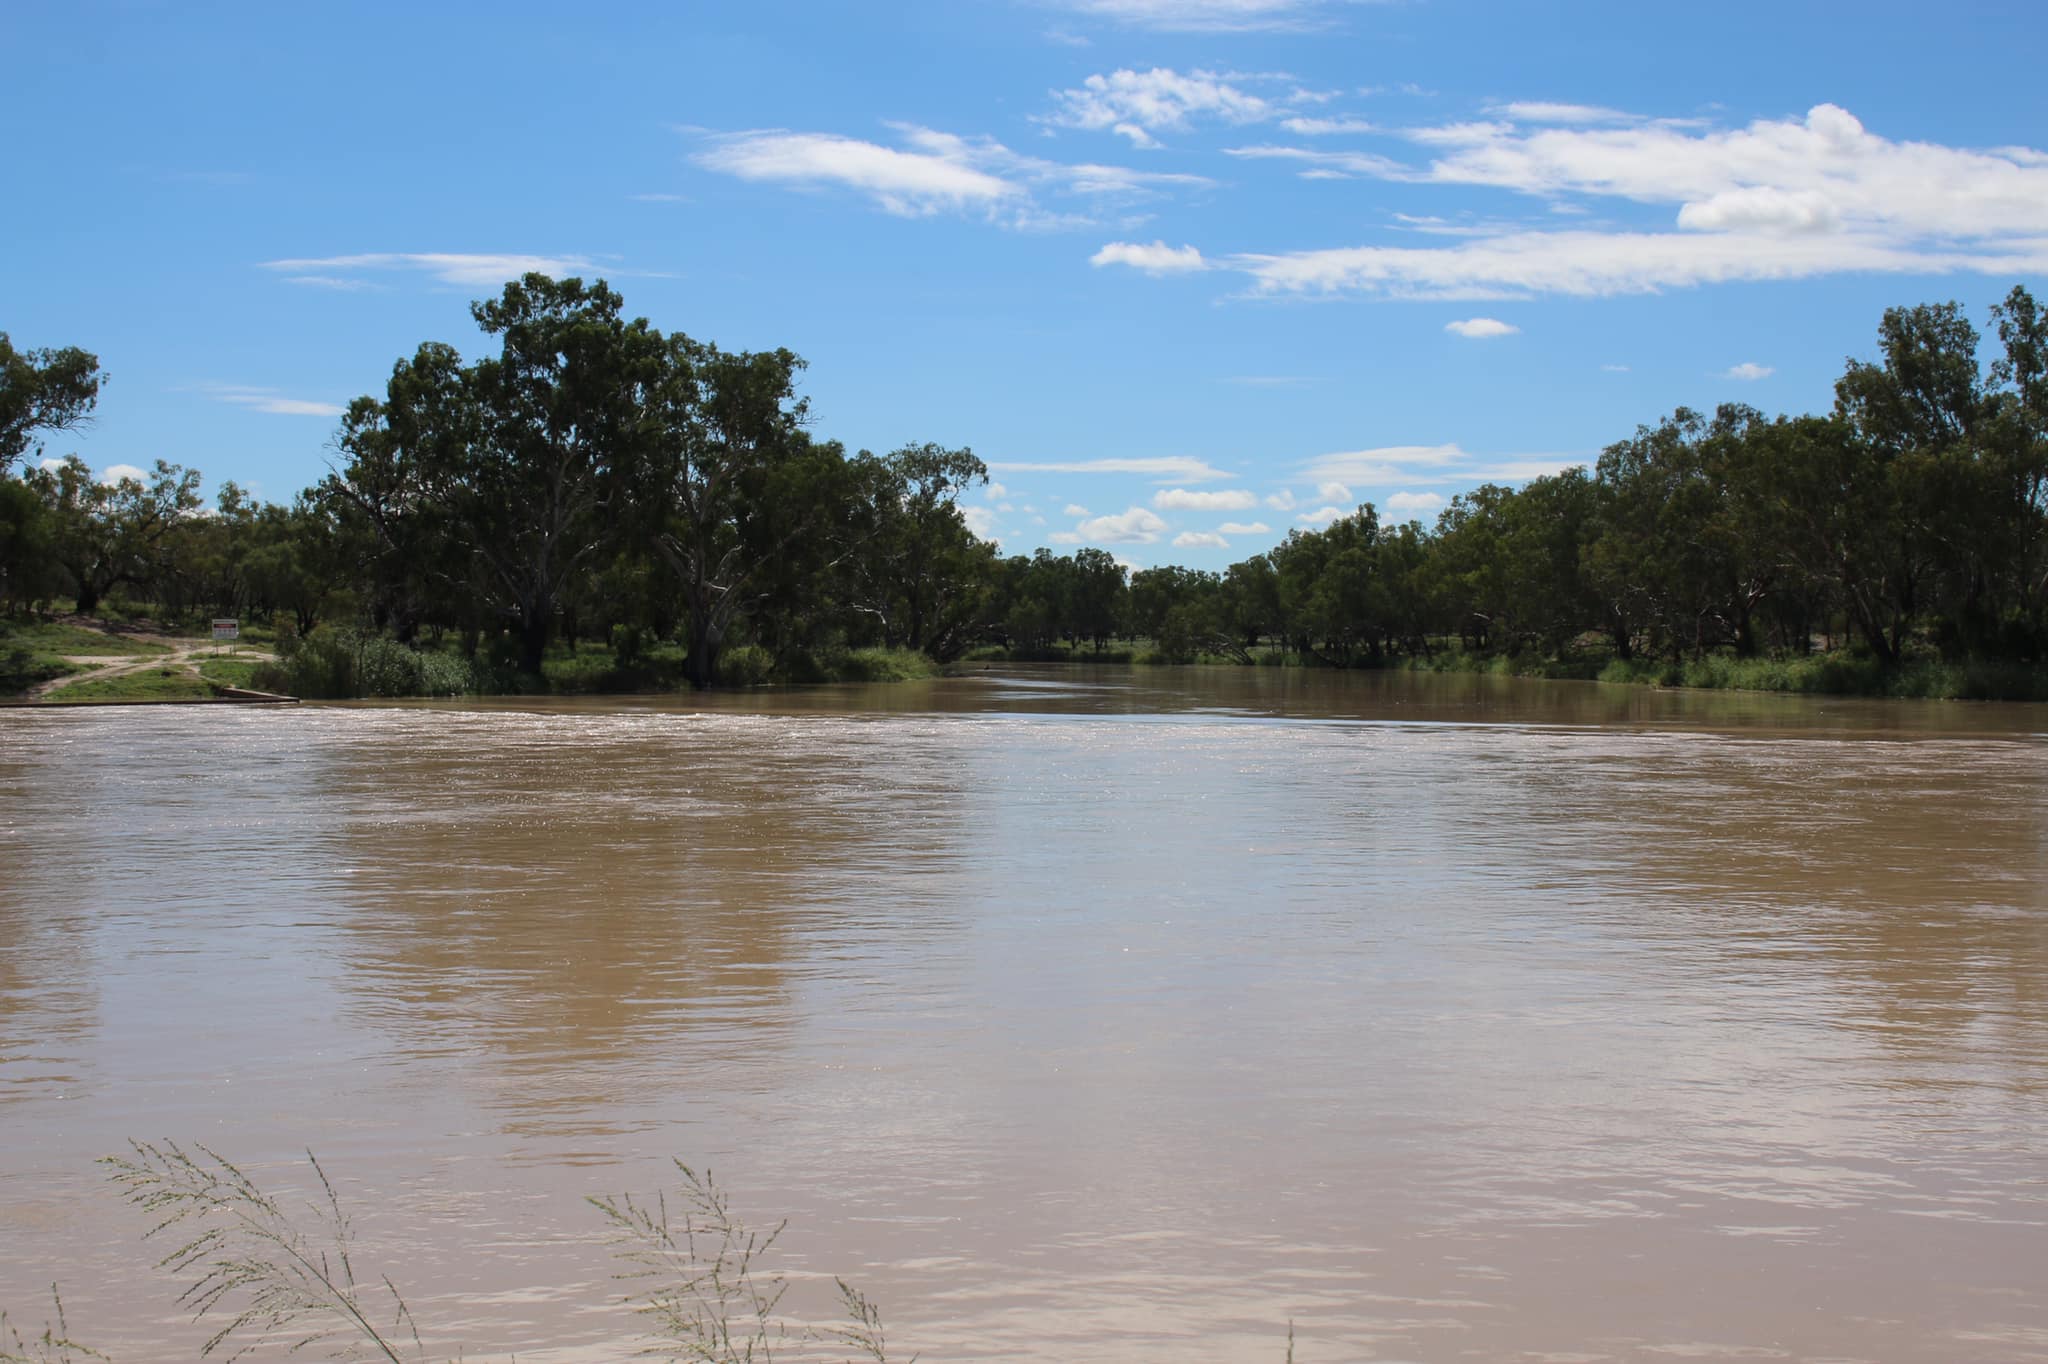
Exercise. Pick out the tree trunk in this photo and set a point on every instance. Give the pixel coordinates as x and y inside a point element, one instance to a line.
<point>701,663</point>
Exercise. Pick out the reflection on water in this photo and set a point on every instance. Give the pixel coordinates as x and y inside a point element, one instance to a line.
<point>1076,1015</point>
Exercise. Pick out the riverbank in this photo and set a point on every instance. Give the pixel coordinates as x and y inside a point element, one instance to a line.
<point>1821,674</point>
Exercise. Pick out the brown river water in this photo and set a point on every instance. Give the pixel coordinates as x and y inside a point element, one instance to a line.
<point>1071,1015</point>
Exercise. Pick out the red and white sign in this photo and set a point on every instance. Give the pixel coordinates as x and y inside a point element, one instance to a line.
<point>227,629</point>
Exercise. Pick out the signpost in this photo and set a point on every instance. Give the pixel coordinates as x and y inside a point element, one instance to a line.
<point>227,632</point>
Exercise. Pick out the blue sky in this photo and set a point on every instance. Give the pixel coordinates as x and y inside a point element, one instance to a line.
<point>1186,273</point>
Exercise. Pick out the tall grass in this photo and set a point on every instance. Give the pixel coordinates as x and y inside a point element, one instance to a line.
<point>260,1276</point>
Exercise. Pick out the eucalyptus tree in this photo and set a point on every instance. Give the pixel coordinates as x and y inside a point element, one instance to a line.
<point>43,390</point>
<point>919,573</point>
<point>106,535</point>
<point>503,480</point>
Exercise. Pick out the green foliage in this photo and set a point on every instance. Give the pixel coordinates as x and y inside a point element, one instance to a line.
<point>43,390</point>
<point>150,684</point>
<point>746,666</point>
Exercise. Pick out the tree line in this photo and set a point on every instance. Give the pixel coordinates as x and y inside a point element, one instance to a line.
<point>597,478</point>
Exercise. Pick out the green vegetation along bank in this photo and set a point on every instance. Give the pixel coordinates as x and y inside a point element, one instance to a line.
<point>600,506</point>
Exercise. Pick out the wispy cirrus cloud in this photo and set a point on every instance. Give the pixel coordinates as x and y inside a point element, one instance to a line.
<point>449,267</point>
<point>1161,469</point>
<point>1786,198</point>
<point>1245,528</point>
<point>268,400</point>
<point>1182,499</point>
<point>932,172</point>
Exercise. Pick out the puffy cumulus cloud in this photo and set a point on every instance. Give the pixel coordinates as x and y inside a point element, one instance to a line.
<point>993,491</point>
<point>1480,328</point>
<point>1200,539</point>
<point>1156,259</point>
<point>1135,526</point>
<point>472,270</point>
<point>1136,104</point>
<point>1282,500</point>
<point>1245,528</point>
<point>1201,16</point>
<point>1161,469</point>
<point>115,474</point>
<point>1408,504</point>
<point>980,520</point>
<point>1749,371</point>
<point>1323,516</point>
<point>1333,492</point>
<point>1781,198</point>
<point>1181,499</point>
<point>1073,509</point>
<point>1064,537</point>
<point>932,172</point>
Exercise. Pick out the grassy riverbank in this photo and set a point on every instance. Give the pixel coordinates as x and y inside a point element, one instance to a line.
<point>1838,673</point>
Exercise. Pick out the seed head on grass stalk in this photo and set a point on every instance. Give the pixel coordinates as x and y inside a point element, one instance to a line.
<point>53,1346</point>
<point>244,1259</point>
<point>705,1298</point>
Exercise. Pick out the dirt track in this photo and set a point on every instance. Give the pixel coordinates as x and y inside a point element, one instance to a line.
<point>184,655</point>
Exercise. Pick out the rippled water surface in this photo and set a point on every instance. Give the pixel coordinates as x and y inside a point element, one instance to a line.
<point>1074,1017</point>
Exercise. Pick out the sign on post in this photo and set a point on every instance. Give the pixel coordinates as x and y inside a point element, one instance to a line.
<point>226,631</point>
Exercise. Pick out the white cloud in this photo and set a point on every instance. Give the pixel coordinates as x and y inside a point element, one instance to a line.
<point>1748,371</point>
<point>1545,111</point>
<point>1777,199</point>
<point>1615,369</point>
<point>1323,516</point>
<point>910,184</point>
<point>1328,127</point>
<point>1245,528</point>
<point>1384,464</point>
<point>467,269</point>
<point>935,172</point>
<point>980,520</point>
<point>1156,259</point>
<point>1524,468</point>
<point>1407,504</point>
<point>1333,492</point>
<point>991,491</point>
<point>269,400</point>
<point>1201,16</point>
<point>121,473</point>
<point>1180,499</point>
<point>1073,509</point>
<point>1281,501</point>
<point>1200,539</point>
<point>1163,469</point>
<point>1327,165</point>
<point>1135,526</point>
<point>1064,537</point>
<point>1136,104</point>
<point>1479,328</point>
